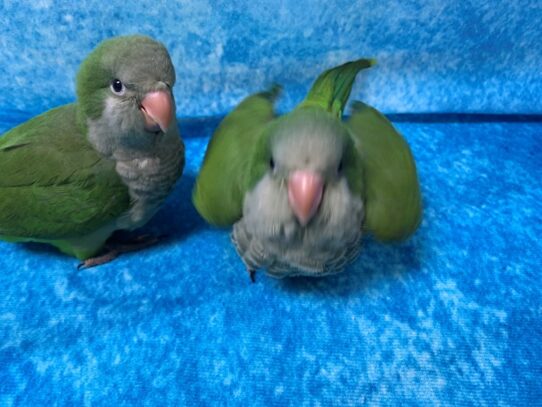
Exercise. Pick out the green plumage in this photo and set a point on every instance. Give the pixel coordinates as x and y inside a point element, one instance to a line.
<point>53,184</point>
<point>230,156</point>
<point>236,157</point>
<point>332,88</point>
<point>393,205</point>
<point>60,181</point>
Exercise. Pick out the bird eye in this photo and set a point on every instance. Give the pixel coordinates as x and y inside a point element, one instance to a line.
<point>117,87</point>
<point>272,163</point>
<point>340,167</point>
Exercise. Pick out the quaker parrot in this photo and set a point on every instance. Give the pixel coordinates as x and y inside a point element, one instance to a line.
<point>302,188</point>
<point>73,175</point>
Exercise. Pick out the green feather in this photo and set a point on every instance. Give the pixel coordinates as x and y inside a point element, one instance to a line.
<point>393,204</point>
<point>226,173</point>
<point>54,187</point>
<point>332,88</point>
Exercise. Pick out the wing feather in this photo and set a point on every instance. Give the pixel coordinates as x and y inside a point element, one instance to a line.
<point>393,201</point>
<point>53,184</point>
<point>226,172</point>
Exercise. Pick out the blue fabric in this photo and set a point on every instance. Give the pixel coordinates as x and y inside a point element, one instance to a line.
<point>453,316</point>
<point>434,55</point>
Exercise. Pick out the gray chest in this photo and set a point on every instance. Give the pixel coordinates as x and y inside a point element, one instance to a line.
<point>268,236</point>
<point>150,178</point>
<point>149,164</point>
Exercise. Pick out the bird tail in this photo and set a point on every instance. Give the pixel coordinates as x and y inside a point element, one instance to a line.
<point>331,89</point>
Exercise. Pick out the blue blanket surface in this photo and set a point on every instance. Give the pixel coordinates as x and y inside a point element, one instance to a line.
<point>452,316</point>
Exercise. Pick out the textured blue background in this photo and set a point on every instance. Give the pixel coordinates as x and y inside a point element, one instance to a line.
<point>434,55</point>
<point>453,316</point>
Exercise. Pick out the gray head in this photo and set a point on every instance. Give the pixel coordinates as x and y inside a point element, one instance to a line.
<point>306,152</point>
<point>124,90</point>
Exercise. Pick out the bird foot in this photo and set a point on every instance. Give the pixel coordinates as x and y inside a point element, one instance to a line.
<point>99,260</point>
<point>115,249</point>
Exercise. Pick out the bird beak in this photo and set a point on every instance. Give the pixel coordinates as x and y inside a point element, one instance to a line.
<point>157,110</point>
<point>305,189</point>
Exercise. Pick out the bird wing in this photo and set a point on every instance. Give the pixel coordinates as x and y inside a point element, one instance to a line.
<point>53,184</point>
<point>393,204</point>
<point>227,172</point>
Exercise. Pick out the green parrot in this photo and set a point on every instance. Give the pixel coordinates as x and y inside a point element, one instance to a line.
<point>300,189</point>
<point>73,175</point>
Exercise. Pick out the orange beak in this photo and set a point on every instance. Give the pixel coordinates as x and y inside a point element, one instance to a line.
<point>305,189</point>
<point>157,110</point>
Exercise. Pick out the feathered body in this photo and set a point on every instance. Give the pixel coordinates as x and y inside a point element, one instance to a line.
<point>73,175</point>
<point>301,189</point>
<point>269,235</point>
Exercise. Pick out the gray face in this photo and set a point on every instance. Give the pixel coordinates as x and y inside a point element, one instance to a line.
<point>132,70</point>
<point>270,236</point>
<point>114,84</point>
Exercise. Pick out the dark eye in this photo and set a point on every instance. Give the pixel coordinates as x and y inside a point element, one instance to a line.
<point>340,167</point>
<point>272,163</point>
<point>117,87</point>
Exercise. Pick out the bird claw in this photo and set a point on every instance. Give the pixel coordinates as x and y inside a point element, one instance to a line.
<point>252,275</point>
<point>115,250</point>
<point>99,260</point>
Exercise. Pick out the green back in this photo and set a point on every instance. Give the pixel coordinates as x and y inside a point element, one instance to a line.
<point>393,205</point>
<point>52,183</point>
<point>227,170</point>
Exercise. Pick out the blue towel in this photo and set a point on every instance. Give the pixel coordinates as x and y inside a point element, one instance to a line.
<point>452,316</point>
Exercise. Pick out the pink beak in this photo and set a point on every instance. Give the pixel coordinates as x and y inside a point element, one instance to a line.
<point>305,189</point>
<point>157,110</point>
